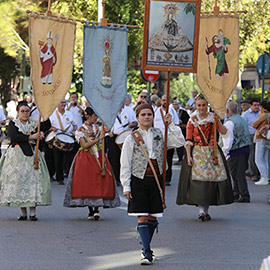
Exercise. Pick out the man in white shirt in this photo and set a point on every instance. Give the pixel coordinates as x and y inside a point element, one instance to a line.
<point>251,115</point>
<point>76,109</point>
<point>11,107</point>
<point>62,122</point>
<point>190,103</point>
<point>124,121</point>
<point>236,144</point>
<point>128,101</point>
<point>159,123</point>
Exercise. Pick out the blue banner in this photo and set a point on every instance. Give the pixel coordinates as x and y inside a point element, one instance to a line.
<point>105,70</point>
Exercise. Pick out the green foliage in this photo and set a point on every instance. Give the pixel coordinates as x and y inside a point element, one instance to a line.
<point>248,94</point>
<point>190,8</point>
<point>182,86</point>
<point>130,13</point>
<point>7,69</point>
<point>135,83</point>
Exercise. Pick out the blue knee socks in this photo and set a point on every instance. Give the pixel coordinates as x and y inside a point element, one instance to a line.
<point>143,230</point>
<point>152,225</point>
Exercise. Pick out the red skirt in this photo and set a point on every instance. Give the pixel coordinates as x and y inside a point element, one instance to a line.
<point>87,180</point>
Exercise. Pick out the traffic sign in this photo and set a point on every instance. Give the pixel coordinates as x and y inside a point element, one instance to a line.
<point>263,64</point>
<point>150,75</point>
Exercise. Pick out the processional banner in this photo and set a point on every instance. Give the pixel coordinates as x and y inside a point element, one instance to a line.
<point>171,31</point>
<point>218,59</point>
<point>105,70</point>
<point>52,43</point>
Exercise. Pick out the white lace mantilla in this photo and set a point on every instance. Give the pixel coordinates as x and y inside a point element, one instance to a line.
<point>32,125</point>
<point>208,119</point>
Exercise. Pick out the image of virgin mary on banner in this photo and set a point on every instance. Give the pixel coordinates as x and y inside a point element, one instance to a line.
<point>105,70</point>
<point>218,59</point>
<point>52,43</point>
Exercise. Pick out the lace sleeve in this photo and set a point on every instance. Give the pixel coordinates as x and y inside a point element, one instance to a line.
<point>78,135</point>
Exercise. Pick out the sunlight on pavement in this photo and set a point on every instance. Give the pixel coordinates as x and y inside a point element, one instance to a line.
<point>123,259</point>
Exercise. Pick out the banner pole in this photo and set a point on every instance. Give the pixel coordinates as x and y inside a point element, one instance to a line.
<point>215,161</point>
<point>37,145</point>
<point>166,133</point>
<point>103,22</point>
<point>103,171</point>
<point>49,13</point>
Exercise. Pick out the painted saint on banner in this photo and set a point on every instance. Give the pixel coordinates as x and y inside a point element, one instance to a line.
<point>219,49</point>
<point>48,58</point>
<point>106,67</point>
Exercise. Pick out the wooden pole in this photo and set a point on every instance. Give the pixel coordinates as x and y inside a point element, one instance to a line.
<point>103,20</point>
<point>103,171</point>
<point>166,133</point>
<point>215,161</point>
<point>37,145</point>
<point>216,8</point>
<point>78,20</point>
<point>49,13</point>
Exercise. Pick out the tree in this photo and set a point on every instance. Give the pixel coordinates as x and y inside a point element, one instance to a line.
<point>254,26</point>
<point>7,70</point>
<point>182,86</point>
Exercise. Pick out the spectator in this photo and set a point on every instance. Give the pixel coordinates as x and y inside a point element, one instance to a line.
<point>245,105</point>
<point>251,115</point>
<point>190,104</point>
<point>261,151</point>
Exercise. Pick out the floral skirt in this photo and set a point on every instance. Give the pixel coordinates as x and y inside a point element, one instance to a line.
<point>20,184</point>
<point>215,189</point>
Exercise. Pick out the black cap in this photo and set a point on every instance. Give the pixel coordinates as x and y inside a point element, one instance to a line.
<point>245,101</point>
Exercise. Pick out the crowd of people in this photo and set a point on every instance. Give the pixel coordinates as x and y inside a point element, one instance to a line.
<point>216,156</point>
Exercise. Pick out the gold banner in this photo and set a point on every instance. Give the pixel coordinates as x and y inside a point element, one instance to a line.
<point>218,59</point>
<point>52,43</point>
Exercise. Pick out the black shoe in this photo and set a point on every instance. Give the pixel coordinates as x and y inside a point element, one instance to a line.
<point>148,259</point>
<point>202,216</point>
<point>167,184</point>
<point>22,218</point>
<point>207,217</point>
<point>96,216</point>
<point>90,216</point>
<point>243,200</point>
<point>61,183</point>
<point>33,218</point>
<point>143,255</point>
<point>118,183</point>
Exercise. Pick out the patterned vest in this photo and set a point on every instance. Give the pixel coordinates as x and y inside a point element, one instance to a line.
<point>139,160</point>
<point>241,136</point>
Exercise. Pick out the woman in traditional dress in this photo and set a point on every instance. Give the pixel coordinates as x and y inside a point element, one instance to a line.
<point>21,184</point>
<point>201,182</point>
<point>138,180</point>
<point>87,184</point>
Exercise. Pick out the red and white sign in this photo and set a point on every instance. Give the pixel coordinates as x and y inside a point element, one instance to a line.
<point>151,75</point>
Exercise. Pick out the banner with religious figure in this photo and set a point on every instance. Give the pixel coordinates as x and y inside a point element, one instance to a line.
<point>105,70</point>
<point>52,43</point>
<point>218,59</point>
<point>171,31</point>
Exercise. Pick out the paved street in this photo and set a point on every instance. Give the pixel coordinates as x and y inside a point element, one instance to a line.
<point>236,239</point>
